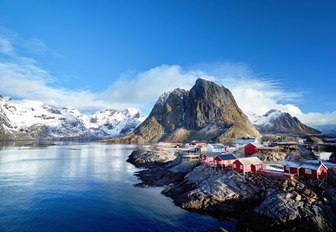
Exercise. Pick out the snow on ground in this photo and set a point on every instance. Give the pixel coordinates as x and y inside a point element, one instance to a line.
<point>273,167</point>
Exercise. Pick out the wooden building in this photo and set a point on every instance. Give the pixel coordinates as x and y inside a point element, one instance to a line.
<point>291,167</point>
<point>209,157</point>
<point>225,160</point>
<point>316,170</point>
<point>253,148</point>
<point>250,164</point>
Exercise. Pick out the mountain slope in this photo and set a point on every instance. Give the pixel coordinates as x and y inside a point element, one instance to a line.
<point>277,122</point>
<point>33,120</point>
<point>207,112</point>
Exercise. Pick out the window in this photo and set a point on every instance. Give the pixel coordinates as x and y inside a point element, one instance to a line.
<point>308,171</point>
<point>234,166</point>
<point>241,166</point>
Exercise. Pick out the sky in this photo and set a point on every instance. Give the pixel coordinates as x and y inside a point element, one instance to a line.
<point>93,55</point>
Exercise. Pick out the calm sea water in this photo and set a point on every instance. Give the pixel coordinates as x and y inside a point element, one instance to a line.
<point>85,187</point>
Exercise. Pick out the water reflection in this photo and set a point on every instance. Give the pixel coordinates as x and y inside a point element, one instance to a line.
<point>84,187</point>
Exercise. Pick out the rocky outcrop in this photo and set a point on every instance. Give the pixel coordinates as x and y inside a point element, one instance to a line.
<point>277,122</point>
<point>265,202</point>
<point>303,210</point>
<point>207,112</point>
<point>147,157</point>
<point>164,166</point>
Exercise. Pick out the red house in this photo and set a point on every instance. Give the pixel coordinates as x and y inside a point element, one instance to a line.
<point>223,161</point>
<point>209,157</point>
<point>251,148</point>
<point>292,167</point>
<point>250,164</point>
<point>314,170</point>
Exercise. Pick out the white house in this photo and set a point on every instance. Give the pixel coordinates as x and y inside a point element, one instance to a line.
<point>242,142</point>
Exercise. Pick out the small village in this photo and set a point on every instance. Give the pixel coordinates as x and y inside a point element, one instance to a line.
<point>249,155</point>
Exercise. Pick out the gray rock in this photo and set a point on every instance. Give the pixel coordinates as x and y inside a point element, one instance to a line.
<point>207,112</point>
<point>150,157</point>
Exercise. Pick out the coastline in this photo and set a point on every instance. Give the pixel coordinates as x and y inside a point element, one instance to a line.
<point>258,202</point>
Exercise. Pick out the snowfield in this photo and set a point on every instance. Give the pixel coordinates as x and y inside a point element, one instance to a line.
<point>22,116</point>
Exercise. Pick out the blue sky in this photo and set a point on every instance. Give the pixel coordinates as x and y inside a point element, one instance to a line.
<point>101,54</point>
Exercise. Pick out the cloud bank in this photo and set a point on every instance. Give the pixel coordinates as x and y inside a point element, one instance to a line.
<point>23,77</point>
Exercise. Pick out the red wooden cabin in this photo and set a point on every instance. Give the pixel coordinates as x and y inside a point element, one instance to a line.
<point>292,167</point>
<point>209,157</point>
<point>316,170</point>
<point>251,149</point>
<point>223,161</point>
<point>247,164</point>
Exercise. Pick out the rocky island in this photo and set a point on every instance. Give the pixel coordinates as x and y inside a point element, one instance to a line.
<point>259,202</point>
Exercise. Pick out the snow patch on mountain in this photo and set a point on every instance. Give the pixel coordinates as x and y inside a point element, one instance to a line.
<point>266,119</point>
<point>163,98</point>
<point>25,118</point>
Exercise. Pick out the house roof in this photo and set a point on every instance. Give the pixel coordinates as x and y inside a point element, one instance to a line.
<point>250,160</point>
<point>286,143</point>
<point>245,140</point>
<point>292,164</point>
<point>212,154</point>
<point>309,164</point>
<point>312,164</point>
<point>268,148</point>
<point>227,157</point>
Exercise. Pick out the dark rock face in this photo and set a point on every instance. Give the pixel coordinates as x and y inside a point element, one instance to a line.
<point>284,123</point>
<point>332,157</point>
<point>207,112</point>
<point>4,122</point>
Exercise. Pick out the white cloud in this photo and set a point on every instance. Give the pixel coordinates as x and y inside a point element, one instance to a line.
<point>143,88</point>
<point>31,82</point>
<point>6,46</point>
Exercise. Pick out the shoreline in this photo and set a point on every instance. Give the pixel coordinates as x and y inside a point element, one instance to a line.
<point>280,203</point>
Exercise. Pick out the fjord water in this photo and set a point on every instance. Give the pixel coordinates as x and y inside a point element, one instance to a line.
<point>85,187</point>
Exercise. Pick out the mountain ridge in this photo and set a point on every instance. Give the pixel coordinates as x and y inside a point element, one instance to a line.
<point>207,111</point>
<point>277,122</point>
<point>34,120</point>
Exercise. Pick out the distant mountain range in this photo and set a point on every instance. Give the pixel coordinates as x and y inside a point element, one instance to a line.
<point>327,129</point>
<point>277,122</point>
<point>207,112</point>
<point>32,120</point>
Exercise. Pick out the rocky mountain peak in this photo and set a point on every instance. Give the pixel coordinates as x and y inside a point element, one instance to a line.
<point>273,112</point>
<point>207,112</point>
<point>277,122</point>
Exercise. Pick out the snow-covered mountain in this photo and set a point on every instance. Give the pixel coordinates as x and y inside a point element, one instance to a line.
<point>26,119</point>
<point>277,122</point>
